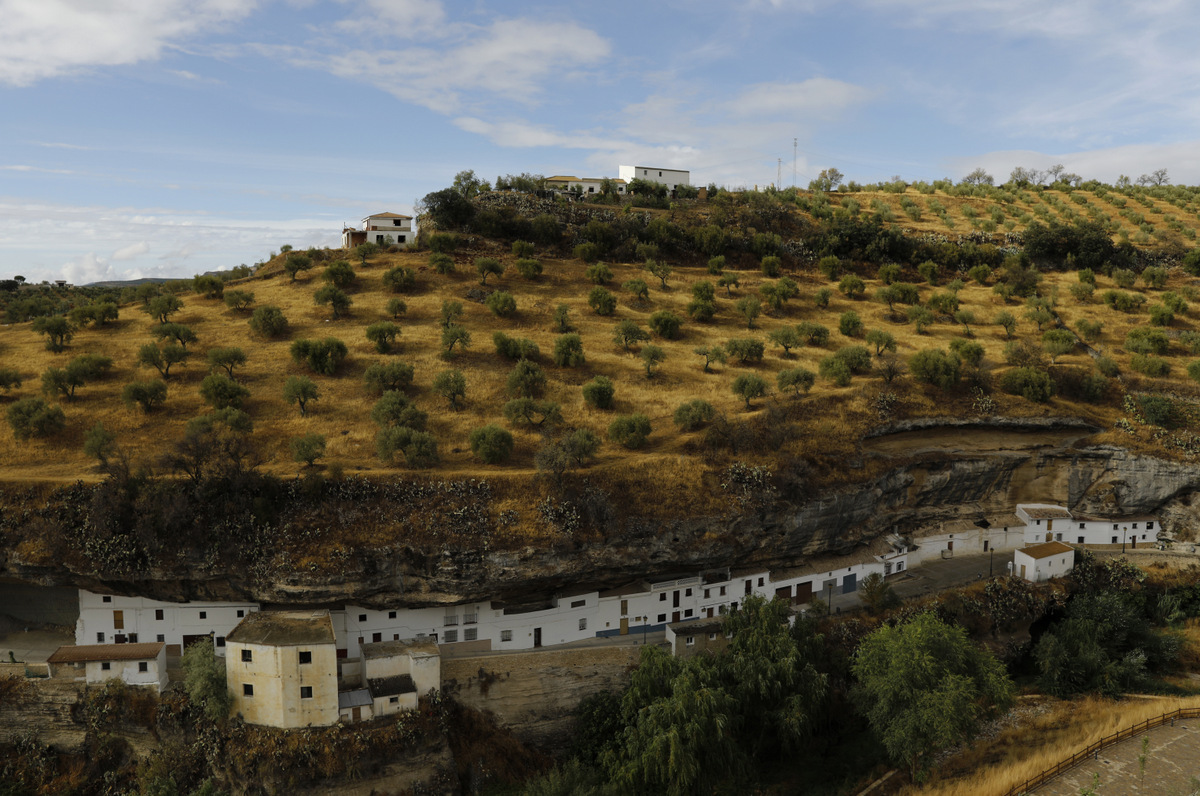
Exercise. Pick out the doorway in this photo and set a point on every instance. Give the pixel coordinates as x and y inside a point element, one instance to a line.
<point>537,637</point>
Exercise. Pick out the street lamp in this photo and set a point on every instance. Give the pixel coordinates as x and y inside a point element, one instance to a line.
<point>991,558</point>
<point>1124,529</point>
<point>829,600</point>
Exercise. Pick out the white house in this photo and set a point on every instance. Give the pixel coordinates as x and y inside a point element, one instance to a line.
<point>1043,561</point>
<point>672,178</point>
<point>1132,531</point>
<point>583,185</point>
<point>1044,522</point>
<point>382,228</point>
<point>135,664</point>
<point>398,673</point>
<point>113,619</point>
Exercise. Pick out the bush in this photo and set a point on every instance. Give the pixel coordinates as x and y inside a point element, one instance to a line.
<point>588,252</point>
<point>239,299</point>
<point>561,319</point>
<point>1108,367</point>
<point>146,394</point>
<point>850,325</point>
<point>338,301</point>
<point>502,304</point>
<point>10,379</point>
<point>222,392</point>
<point>491,443</point>
<point>515,348</point>
<point>929,271</point>
<point>1124,302</point>
<point>208,286</point>
<point>830,267</point>
<point>300,390</point>
<point>522,249</point>
<point>383,334</point>
<point>749,386</point>
<point>1124,277</point>
<point>396,410</point>
<point>745,349</point>
<point>968,351</point>
<point>381,377</point>
<point>57,329</point>
<point>1161,315</point>
<point>568,351</point>
<point>601,301</point>
<point>319,356</point>
<point>598,393</point>
<point>268,321</point>
<point>400,279</point>
<point>694,414</point>
<point>1154,367</point>
<point>770,266</point>
<point>1158,410</point>
<point>451,385</point>
<point>442,242</point>
<point>795,380</point>
<point>821,297</point>
<point>630,431</point>
<point>1141,340</point>
<point>935,367</point>
<point>530,412</point>
<point>530,269</point>
<point>598,274</point>
<point>638,287</point>
<point>835,370</point>
<point>526,380</point>
<point>852,287</point>
<point>665,324</point>
<point>652,356</point>
<point>340,274</point>
<point>308,448</point>
<point>441,263</point>
<point>419,447</point>
<point>33,417</point>
<point>1030,383</point>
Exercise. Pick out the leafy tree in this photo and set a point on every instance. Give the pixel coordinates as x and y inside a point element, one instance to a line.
<point>341,275</point>
<point>1007,321</point>
<point>486,266</point>
<point>522,248</point>
<point>147,394</point>
<point>530,269</point>
<point>1058,342</point>
<point>729,282</point>
<point>211,287</point>
<point>163,307</point>
<point>935,367</point>
<point>383,376</point>
<point>601,301</point>
<point>770,266</point>
<point>744,349</point>
<point>502,304</point>
<point>220,391</point>
<point>929,271</point>
<point>33,417</point>
<point>491,443</point>
<point>966,318</point>
<point>1089,330</point>
<point>239,300</point>
<point>598,274</point>
<point>300,390</point>
<point>399,279</point>
<point>850,324</point>
<point>526,380</point>
<point>419,448</point>
<point>561,319</point>
<point>468,185</point>
<point>830,267</point>
<point>821,297</point>
<point>786,337</point>
<point>455,334</point>
<point>296,263</point>
<point>628,333</point>
<point>665,324</point>
<point>515,348</point>
<point>968,351</point>
<point>62,381</point>
<point>1141,340</point>
<point>161,358</point>
<point>652,356</point>
<point>394,409</point>
<point>638,288</point>
<point>1030,383</point>
<point>1161,315</point>
<point>598,393</point>
<point>630,431</point>
<point>795,379</point>
<point>877,594</point>
<point>396,307</point>
<point>574,448</point>
<point>924,686</point>
<point>1148,365</point>
<point>451,312</point>
<point>852,287</point>
<point>711,353</point>
<point>749,386</point>
<point>174,331</point>
<point>694,414</point>
<point>448,209</point>
<point>920,317</point>
<point>204,680</point>
<point>100,443</point>
<point>568,351</point>
<point>366,249</point>
<point>10,379</point>
<point>441,263</point>
<point>660,270</point>
<point>57,330</point>
<point>227,358</point>
<point>268,321</point>
<point>531,412</point>
<point>587,251</point>
<point>1039,315</point>
<point>320,356</point>
<point>451,385</point>
<point>308,448</point>
<point>980,274</point>
<point>749,308</point>
<point>883,341</point>
<point>814,334</point>
<point>336,300</point>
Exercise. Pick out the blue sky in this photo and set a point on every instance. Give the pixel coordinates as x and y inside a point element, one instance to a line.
<point>171,137</point>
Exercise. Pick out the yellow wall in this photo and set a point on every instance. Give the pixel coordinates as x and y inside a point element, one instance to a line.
<point>277,677</point>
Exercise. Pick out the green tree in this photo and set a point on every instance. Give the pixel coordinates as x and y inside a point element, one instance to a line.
<point>451,385</point>
<point>1032,384</point>
<point>601,301</point>
<point>308,448</point>
<point>850,324</point>
<point>33,417</point>
<point>320,356</point>
<point>744,349</point>
<point>502,304</point>
<point>877,594</point>
<point>710,354</point>
<point>468,185</point>
<point>174,331</point>
<point>924,686</point>
<point>341,275</point>
<point>749,308</point>
<point>100,443</point>
<point>297,263</point>
<point>598,274</point>
<point>694,414</point>
<point>204,680</point>
<point>561,320</point>
<point>147,394</point>
<point>749,386</point>
<point>399,279</point>
<point>729,282</point>
<point>337,301</point>
<point>486,266</point>
<point>395,410</point>
<point>383,376</point>
<point>268,321</point>
<point>526,380</point>
<point>628,333</point>
<point>396,307</point>
<point>419,448</point>
<point>161,358</point>
<point>598,392</point>
<point>795,380</point>
<point>920,317</point>
<point>163,307</point>
<point>660,270</point>
<point>568,351</point>
<point>366,249</point>
<point>515,348</point>
<point>57,330</point>
<point>238,300</point>
<point>652,356</point>
<point>491,443</point>
<point>883,341</point>
<point>531,412</point>
<point>638,288</point>
<point>935,367</point>
<point>630,431</point>
<point>383,334</point>
<point>786,337</point>
<point>1007,321</point>
<point>1058,342</point>
<point>227,358</point>
<point>852,287</point>
<point>300,390</point>
<point>665,324</point>
<point>530,269</point>
<point>62,381</point>
<point>452,335</point>
<point>220,391</point>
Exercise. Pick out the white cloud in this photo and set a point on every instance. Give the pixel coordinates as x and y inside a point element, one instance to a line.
<point>1181,159</point>
<point>131,251</point>
<point>818,97</point>
<point>397,18</point>
<point>39,169</point>
<point>86,269</point>
<point>48,38</point>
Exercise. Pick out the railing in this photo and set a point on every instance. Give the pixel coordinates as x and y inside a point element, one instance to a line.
<point>450,621</point>
<point>470,619</point>
<point>1033,783</point>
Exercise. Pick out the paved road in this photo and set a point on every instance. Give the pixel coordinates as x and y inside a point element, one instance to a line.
<point>1172,766</point>
<point>33,646</point>
<point>941,574</point>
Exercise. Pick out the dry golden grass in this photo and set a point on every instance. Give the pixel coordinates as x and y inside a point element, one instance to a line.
<point>1041,741</point>
<point>830,423</point>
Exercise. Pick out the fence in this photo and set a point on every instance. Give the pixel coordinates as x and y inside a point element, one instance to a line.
<point>1064,766</point>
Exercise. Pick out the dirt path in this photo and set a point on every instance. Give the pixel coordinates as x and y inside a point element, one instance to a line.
<point>1172,766</point>
<point>972,439</point>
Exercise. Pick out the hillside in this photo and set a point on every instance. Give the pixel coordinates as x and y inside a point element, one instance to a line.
<point>823,428</point>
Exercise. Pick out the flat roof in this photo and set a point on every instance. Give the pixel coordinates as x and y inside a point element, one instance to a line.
<point>391,686</point>
<point>358,698</point>
<point>106,652</point>
<point>700,625</point>
<point>1046,549</point>
<point>390,649</point>
<point>283,628</point>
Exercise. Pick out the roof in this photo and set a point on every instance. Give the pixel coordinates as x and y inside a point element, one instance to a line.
<point>358,698</point>
<point>387,215</point>
<point>1115,520</point>
<point>390,686</point>
<point>1046,549</point>
<point>560,178</point>
<point>692,627</point>
<point>388,649</point>
<point>1046,512</point>
<point>283,628</point>
<point>106,652</point>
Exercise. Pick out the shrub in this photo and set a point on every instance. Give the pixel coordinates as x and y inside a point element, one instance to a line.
<point>638,287</point>
<point>10,379</point>
<point>491,443</point>
<point>530,269</point>
<point>1161,315</point>
<point>935,367</point>
<point>530,412</point>
<point>980,274</point>
<point>1158,410</point>
<point>795,380</point>
<point>716,264</point>
<point>770,266</point>
<point>222,392</point>
<point>146,394</point>
<point>1124,302</point>
<point>745,349</point>
<point>451,385</point>
<point>1058,342</point>
<point>239,299</point>
<point>561,320</point>
<point>418,447</point>
<point>568,351</point>
<point>749,308</point>
<point>441,263</point>
<point>850,325</point>
<point>665,324</point>
<point>319,356</point>
<point>598,393</point>
<point>383,334</point>
<point>835,370</point>
<point>830,267</point>
<point>33,417</point>
<point>57,329</point>
<point>1030,383</point>
<point>694,414</point>
<point>630,431</point>
<point>1152,366</point>
<point>442,242</point>
<point>601,301</point>
<point>929,271</point>
<point>852,287</point>
<point>821,297</point>
<point>701,311</point>
<point>1108,367</point>
<point>208,286</point>
<point>340,274</point>
<point>588,252</point>
<point>300,390</point>
<point>381,377</point>
<point>598,274</point>
<point>652,356</point>
<point>515,348</point>
<point>486,266</point>
<point>502,304</point>
<point>522,248</point>
<point>749,386</point>
<point>881,340</point>
<point>1124,277</point>
<point>1141,340</point>
<point>889,273</point>
<point>338,301</point>
<point>455,335</point>
<point>268,321</point>
<point>308,448</point>
<point>395,409</point>
<point>526,380</point>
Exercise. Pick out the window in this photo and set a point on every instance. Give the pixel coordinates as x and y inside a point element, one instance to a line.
<point>158,614</point>
<point>450,621</point>
<point>1037,522</point>
<point>376,638</point>
<point>1114,541</point>
<point>687,614</point>
<point>391,614</point>
<point>506,635</point>
<point>220,641</point>
<point>393,700</point>
<point>160,638</point>
<point>691,641</point>
<point>706,593</point>
<point>99,638</point>
<point>1058,537</point>
<point>248,689</point>
<point>1080,540</point>
<point>396,222</point>
<point>578,603</point>
<point>247,656</point>
<point>106,599</point>
<point>722,591</point>
<point>583,624</point>
<point>133,638</point>
<point>712,636</point>
<point>662,598</point>
<point>1114,526</point>
<point>687,592</point>
<point>362,617</point>
<point>662,617</point>
<point>305,656</point>
<point>1134,526</point>
<point>306,692</point>
<point>105,665</point>
<point>760,582</point>
<point>204,614</point>
<point>624,607</point>
<point>470,634</point>
<point>241,612</point>
<point>143,666</point>
<point>1149,526</point>
<point>395,637</point>
<point>451,636</point>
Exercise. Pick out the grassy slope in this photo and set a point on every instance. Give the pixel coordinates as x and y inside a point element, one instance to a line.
<point>830,424</point>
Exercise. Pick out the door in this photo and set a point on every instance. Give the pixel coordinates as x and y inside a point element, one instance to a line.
<point>356,714</point>
<point>674,616</point>
<point>950,545</point>
<point>849,584</point>
<point>1133,542</point>
<point>803,593</point>
<point>675,599</point>
<point>985,545</point>
<point>537,637</point>
<point>624,626</point>
<point>118,620</point>
<point>784,593</point>
<point>1022,572</point>
<point>1049,525</point>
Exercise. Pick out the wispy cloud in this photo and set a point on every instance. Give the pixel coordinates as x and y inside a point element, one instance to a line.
<point>38,169</point>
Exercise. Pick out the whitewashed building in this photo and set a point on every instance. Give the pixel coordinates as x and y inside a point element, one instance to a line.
<point>382,228</point>
<point>1096,531</point>
<point>113,619</point>
<point>1044,561</point>
<point>134,664</point>
<point>672,178</point>
<point>587,186</point>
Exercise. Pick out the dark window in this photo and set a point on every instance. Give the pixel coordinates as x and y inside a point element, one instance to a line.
<point>662,598</point>
<point>760,581</point>
<point>306,656</point>
<point>578,603</point>
<point>400,238</point>
<point>106,599</point>
<point>391,614</point>
<point>158,614</point>
<point>394,700</point>
<point>133,638</point>
<point>687,592</point>
<point>1080,540</point>
<point>241,612</point>
<point>1135,526</point>
<point>99,638</point>
<point>143,666</point>
<point>662,617</point>
<point>306,692</point>
<point>247,689</point>
<point>706,591</point>
<point>160,638</point>
<point>204,614</point>
<point>106,666</point>
<point>1114,541</point>
<point>220,641</point>
<point>362,617</point>
<point>247,656</point>
<point>376,638</point>
<point>1149,526</point>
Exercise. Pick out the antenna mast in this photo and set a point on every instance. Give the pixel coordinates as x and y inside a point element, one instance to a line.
<point>793,162</point>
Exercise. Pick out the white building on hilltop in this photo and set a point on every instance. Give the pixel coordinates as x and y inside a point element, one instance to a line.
<point>672,178</point>
<point>383,228</point>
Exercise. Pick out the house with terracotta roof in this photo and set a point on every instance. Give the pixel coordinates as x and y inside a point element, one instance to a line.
<point>385,229</point>
<point>134,664</point>
<point>1044,561</point>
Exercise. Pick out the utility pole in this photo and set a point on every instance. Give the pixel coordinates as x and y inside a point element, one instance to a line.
<point>778,173</point>
<point>793,162</point>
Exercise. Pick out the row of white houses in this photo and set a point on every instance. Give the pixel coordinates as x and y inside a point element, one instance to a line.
<point>643,606</point>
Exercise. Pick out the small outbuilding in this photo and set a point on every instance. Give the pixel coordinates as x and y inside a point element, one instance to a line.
<point>1044,561</point>
<point>697,636</point>
<point>134,664</point>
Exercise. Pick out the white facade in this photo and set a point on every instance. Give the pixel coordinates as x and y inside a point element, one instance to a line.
<point>1132,531</point>
<point>672,178</point>
<point>1043,561</point>
<point>112,619</point>
<point>382,228</point>
<point>588,186</point>
<point>134,664</point>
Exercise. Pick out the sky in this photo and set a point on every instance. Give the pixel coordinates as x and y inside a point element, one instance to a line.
<point>149,138</point>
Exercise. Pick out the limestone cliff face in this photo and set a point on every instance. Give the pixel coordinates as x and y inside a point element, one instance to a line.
<point>932,473</point>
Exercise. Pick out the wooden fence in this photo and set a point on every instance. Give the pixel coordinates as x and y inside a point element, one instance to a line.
<point>1033,783</point>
